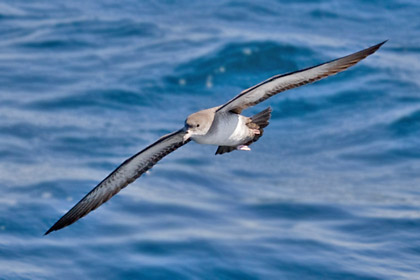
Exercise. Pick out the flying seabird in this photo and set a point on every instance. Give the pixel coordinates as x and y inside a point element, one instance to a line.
<point>223,126</point>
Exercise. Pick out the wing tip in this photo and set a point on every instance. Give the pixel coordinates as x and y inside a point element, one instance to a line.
<point>55,227</point>
<point>50,230</point>
<point>377,46</point>
<point>380,44</point>
<point>61,223</point>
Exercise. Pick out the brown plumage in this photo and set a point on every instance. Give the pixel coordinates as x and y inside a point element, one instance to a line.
<point>121,177</point>
<point>279,83</point>
<point>214,126</point>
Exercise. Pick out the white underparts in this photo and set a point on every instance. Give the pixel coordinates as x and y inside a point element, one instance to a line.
<point>228,129</point>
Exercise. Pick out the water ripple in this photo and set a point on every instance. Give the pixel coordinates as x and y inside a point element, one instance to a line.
<point>329,192</point>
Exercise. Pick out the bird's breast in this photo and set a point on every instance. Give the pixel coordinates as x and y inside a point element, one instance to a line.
<point>227,130</point>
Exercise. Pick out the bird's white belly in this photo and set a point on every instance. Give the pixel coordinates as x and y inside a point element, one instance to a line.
<point>227,130</point>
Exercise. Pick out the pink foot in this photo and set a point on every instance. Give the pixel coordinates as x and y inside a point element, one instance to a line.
<point>256,131</point>
<point>243,148</point>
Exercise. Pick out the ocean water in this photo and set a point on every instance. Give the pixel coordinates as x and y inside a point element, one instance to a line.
<point>331,191</point>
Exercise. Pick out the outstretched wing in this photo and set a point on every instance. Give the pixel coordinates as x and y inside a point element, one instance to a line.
<point>279,83</point>
<point>125,174</point>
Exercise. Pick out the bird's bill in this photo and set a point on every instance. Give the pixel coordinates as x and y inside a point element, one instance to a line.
<point>187,134</point>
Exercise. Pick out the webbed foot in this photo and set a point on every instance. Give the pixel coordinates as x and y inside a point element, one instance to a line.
<point>243,148</point>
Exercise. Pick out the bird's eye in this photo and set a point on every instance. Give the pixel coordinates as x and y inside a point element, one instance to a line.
<point>198,125</point>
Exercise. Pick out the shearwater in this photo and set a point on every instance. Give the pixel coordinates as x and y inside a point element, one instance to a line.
<point>223,126</point>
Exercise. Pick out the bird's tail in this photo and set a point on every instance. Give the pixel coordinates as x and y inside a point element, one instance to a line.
<point>262,118</point>
<point>259,121</point>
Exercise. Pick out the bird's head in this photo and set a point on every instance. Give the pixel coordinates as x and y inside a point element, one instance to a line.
<point>197,124</point>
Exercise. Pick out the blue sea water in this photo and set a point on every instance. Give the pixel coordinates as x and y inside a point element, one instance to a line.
<point>331,191</point>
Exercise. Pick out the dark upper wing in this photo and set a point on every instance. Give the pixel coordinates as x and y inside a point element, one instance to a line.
<point>125,174</point>
<point>279,83</point>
